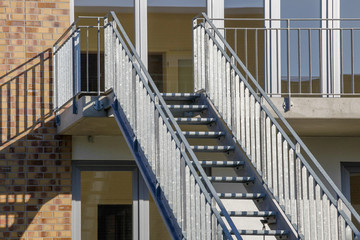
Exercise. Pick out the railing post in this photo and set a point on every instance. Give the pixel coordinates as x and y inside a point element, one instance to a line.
<point>76,67</point>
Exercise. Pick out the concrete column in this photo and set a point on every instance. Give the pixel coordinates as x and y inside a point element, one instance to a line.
<point>141,226</point>
<point>330,48</point>
<point>141,37</point>
<point>273,47</point>
<point>216,9</point>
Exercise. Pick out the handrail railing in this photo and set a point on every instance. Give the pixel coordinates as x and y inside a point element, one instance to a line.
<point>68,61</point>
<point>298,57</point>
<point>198,211</point>
<point>147,111</point>
<point>313,209</point>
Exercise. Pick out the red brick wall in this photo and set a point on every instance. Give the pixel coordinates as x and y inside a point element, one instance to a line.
<point>35,162</point>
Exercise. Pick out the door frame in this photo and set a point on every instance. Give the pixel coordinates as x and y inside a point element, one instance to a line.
<point>140,194</point>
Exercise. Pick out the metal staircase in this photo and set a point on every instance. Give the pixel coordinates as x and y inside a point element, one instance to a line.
<point>217,162</point>
<point>226,168</point>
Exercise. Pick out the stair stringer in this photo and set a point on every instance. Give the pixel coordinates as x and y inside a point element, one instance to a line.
<point>145,169</point>
<point>259,186</point>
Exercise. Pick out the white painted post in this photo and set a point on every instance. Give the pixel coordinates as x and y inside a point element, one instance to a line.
<point>141,45</point>
<point>216,9</point>
<point>273,47</point>
<point>330,49</point>
<point>141,38</point>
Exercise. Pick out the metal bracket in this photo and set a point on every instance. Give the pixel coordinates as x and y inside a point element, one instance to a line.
<point>287,105</point>
<point>57,120</point>
<point>98,105</point>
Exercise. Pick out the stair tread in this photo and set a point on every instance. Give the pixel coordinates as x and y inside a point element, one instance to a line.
<point>241,195</point>
<point>263,232</point>
<point>252,213</point>
<point>195,120</point>
<point>203,134</point>
<point>180,96</point>
<point>231,179</point>
<point>187,106</point>
<point>222,163</point>
<point>212,148</point>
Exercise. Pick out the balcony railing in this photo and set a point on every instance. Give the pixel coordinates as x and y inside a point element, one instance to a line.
<point>299,57</point>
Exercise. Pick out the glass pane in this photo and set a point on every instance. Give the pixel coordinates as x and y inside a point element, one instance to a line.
<point>114,222</point>
<point>102,188</point>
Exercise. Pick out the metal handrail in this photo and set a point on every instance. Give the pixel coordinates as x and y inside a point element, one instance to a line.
<point>154,93</point>
<point>187,153</point>
<point>298,141</point>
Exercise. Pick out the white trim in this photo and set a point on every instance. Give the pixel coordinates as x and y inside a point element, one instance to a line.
<point>72,11</point>
<point>141,37</point>
<point>272,10</point>
<point>330,47</point>
<point>140,192</point>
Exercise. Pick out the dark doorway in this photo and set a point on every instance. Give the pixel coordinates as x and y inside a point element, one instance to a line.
<point>92,58</point>
<point>114,222</point>
<point>155,68</point>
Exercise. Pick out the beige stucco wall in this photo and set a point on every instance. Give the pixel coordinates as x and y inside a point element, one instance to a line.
<point>331,151</point>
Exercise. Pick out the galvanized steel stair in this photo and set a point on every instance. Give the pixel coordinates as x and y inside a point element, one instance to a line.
<point>227,168</point>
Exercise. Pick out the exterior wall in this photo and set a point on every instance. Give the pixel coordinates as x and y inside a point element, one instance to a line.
<point>35,162</point>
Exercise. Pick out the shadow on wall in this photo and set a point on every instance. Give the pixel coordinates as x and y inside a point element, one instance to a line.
<point>35,162</point>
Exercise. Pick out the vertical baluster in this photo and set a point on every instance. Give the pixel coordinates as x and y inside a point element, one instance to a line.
<point>326,217</point>
<point>202,66</point>
<point>286,178</point>
<point>247,121</point>
<point>299,199</point>
<point>349,233</point>
<point>210,68</point>
<point>292,187</point>
<point>242,113</point>
<point>202,216</point>
<point>219,80</point>
<point>216,75</point>
<point>280,167</point>
<point>263,144</point>
<point>333,222</point>
<point>237,107</point>
<point>227,98</point>
<point>195,57</point>
<point>232,100</point>
<point>208,221</point>
<point>268,153</point>
<point>193,207</point>
<point>188,213</point>
<point>341,222</point>
<point>157,139</point>
<point>312,207</point>
<point>305,202</point>
<point>221,84</point>
<point>172,171</point>
<point>213,223</point>
<point>179,186</point>
<point>257,138</point>
<point>206,62</point>
<point>274,160</point>
<point>198,50</point>
<point>252,130</point>
<point>319,212</point>
<point>197,211</point>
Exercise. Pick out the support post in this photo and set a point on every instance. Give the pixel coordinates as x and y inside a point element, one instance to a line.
<point>141,39</point>
<point>273,48</point>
